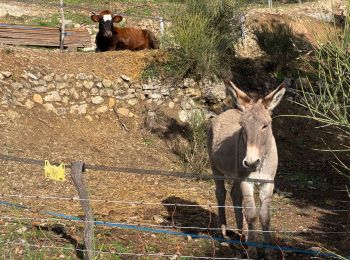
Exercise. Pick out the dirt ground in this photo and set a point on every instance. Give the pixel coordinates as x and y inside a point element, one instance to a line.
<point>310,205</point>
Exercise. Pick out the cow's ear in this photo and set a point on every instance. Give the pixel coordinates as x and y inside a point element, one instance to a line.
<point>96,18</point>
<point>117,18</point>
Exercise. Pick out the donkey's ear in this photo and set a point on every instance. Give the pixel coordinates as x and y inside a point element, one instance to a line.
<point>95,17</point>
<point>117,18</point>
<point>275,97</point>
<point>242,99</point>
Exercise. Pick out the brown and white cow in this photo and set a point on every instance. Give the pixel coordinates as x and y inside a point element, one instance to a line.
<point>110,37</point>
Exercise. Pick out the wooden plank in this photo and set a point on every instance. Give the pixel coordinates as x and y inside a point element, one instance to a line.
<point>42,36</point>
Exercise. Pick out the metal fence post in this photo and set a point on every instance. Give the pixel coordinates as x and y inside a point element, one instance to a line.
<point>77,169</point>
<point>162,29</point>
<point>62,26</point>
<point>269,3</point>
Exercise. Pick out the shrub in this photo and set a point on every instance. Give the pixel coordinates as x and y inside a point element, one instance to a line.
<point>195,154</point>
<point>329,101</point>
<point>280,43</point>
<point>202,37</point>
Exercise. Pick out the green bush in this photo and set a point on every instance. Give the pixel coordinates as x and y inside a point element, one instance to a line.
<point>195,155</point>
<point>329,101</point>
<point>280,43</point>
<point>202,37</point>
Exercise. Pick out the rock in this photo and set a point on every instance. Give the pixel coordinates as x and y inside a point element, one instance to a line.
<point>111,102</point>
<point>155,96</point>
<point>21,230</point>
<point>53,96</point>
<point>64,92</point>
<point>171,104</point>
<point>48,78</point>
<point>97,100</point>
<point>37,98</point>
<point>99,85</point>
<point>123,111</point>
<point>29,104</point>
<point>32,76</point>
<point>158,219</point>
<point>133,102</point>
<point>6,74</point>
<point>147,87</point>
<point>125,78</point>
<point>94,91</point>
<point>16,86</point>
<point>88,84</point>
<point>194,93</point>
<point>50,107</point>
<point>89,118</point>
<point>81,76</point>
<point>74,93</point>
<point>51,86</point>
<point>187,104</point>
<point>102,110</point>
<point>61,111</point>
<point>2,77</point>
<point>61,85</point>
<point>188,82</point>
<point>183,116</point>
<point>164,91</point>
<point>107,83</point>
<point>41,89</point>
<point>79,109</point>
<point>213,91</point>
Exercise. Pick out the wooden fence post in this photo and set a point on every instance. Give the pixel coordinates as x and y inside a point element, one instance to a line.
<point>77,169</point>
<point>62,32</point>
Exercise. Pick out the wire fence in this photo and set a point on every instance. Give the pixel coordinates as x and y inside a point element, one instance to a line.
<point>167,228</point>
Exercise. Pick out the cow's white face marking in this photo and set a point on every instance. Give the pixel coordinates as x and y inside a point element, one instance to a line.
<point>107,17</point>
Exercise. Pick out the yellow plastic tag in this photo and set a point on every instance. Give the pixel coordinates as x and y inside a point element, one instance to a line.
<point>56,173</point>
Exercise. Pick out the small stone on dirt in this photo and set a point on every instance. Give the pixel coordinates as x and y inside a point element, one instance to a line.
<point>97,100</point>
<point>106,83</point>
<point>6,74</point>
<point>53,96</point>
<point>158,219</point>
<point>102,110</point>
<point>37,99</point>
<point>111,102</point>
<point>29,104</point>
<point>21,230</point>
<point>123,111</point>
<point>126,78</point>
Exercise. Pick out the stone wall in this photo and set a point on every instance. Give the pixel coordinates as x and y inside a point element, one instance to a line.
<point>87,95</point>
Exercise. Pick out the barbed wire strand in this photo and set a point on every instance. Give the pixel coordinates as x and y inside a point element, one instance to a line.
<point>141,203</point>
<point>139,171</point>
<point>108,252</point>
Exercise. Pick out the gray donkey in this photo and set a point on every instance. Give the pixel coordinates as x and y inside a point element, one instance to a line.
<point>241,145</point>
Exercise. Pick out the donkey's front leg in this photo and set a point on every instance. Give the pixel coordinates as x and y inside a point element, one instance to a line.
<point>265,194</point>
<point>250,214</point>
<point>220,193</point>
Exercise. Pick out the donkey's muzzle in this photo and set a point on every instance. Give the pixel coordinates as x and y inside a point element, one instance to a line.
<point>251,164</point>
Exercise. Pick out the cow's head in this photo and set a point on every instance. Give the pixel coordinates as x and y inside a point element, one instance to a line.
<point>106,20</point>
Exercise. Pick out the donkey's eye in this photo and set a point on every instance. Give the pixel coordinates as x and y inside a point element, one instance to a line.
<point>264,127</point>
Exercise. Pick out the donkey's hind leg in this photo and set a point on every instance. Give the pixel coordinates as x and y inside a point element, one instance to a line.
<point>220,193</point>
